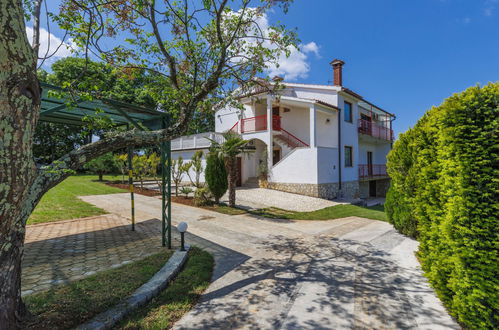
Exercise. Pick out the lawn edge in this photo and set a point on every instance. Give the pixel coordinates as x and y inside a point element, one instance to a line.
<point>141,296</point>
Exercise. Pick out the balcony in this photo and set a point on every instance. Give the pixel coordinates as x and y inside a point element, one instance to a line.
<point>372,171</point>
<point>259,124</point>
<point>375,130</point>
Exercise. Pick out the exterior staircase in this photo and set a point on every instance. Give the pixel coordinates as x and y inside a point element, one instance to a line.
<point>282,140</point>
<point>251,183</point>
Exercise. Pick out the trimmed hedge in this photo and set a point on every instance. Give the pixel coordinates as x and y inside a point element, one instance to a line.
<point>444,192</point>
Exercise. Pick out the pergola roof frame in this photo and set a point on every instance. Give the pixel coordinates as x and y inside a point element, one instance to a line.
<point>55,110</point>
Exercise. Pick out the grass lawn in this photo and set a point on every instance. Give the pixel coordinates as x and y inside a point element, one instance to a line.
<point>328,213</point>
<point>178,298</point>
<point>61,203</point>
<point>225,209</point>
<point>67,306</point>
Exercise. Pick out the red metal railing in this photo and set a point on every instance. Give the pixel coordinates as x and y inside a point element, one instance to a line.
<point>292,140</point>
<point>234,128</point>
<point>259,123</point>
<point>369,128</point>
<point>372,170</point>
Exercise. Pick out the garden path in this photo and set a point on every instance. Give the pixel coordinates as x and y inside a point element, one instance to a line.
<point>338,274</point>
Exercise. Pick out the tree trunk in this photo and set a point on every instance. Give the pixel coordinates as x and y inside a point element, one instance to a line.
<point>231,164</point>
<point>101,176</point>
<point>19,110</point>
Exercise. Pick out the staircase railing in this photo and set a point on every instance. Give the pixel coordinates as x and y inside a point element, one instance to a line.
<point>259,123</point>
<point>292,140</point>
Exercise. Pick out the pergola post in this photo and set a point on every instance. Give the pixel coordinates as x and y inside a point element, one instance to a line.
<point>130,184</point>
<point>166,224</point>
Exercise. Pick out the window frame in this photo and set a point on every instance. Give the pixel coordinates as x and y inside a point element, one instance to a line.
<point>345,155</point>
<point>350,119</point>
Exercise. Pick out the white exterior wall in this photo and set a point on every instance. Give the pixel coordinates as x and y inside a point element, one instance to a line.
<point>329,96</point>
<point>187,155</point>
<point>299,166</point>
<point>349,137</point>
<point>380,151</point>
<point>226,118</point>
<point>327,162</point>
<point>327,132</point>
<point>296,122</point>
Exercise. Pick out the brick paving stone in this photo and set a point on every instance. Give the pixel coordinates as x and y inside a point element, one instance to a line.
<point>63,251</point>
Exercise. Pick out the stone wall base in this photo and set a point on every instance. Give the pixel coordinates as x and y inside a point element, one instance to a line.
<point>350,189</point>
<point>381,188</point>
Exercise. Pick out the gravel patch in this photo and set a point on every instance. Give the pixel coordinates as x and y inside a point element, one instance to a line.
<point>255,198</point>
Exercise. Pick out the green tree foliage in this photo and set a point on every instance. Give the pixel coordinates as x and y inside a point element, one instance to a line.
<point>196,164</point>
<point>121,162</point>
<point>216,175</point>
<point>178,169</point>
<point>103,79</point>
<point>52,141</point>
<point>102,165</point>
<point>140,168</point>
<point>444,190</point>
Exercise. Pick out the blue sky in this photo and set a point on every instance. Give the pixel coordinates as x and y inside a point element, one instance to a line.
<point>404,56</point>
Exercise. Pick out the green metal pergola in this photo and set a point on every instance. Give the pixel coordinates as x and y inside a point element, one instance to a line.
<point>59,107</point>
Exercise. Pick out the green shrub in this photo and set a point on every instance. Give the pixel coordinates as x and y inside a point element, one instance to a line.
<point>202,196</point>
<point>216,175</point>
<point>445,187</point>
<point>102,165</point>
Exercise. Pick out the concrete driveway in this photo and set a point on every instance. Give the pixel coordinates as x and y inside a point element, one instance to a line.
<point>339,274</point>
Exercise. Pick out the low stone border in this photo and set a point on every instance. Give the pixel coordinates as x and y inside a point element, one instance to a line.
<point>141,296</point>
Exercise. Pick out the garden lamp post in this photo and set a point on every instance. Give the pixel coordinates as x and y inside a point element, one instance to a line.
<point>182,228</point>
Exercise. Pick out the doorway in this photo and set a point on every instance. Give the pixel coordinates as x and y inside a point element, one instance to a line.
<point>276,156</point>
<point>369,163</point>
<point>239,166</point>
<point>276,119</point>
<point>372,188</point>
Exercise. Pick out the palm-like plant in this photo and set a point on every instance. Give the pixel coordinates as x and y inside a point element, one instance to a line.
<point>232,146</point>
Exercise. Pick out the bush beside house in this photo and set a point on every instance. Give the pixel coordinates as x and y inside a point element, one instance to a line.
<point>444,192</point>
<point>216,175</point>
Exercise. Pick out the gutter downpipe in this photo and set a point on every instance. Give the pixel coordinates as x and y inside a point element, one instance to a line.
<point>391,130</point>
<point>339,151</point>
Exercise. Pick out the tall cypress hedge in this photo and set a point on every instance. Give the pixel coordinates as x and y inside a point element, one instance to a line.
<point>445,192</point>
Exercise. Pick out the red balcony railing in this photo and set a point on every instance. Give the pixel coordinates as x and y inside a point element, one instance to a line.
<point>375,130</point>
<point>372,170</point>
<point>259,123</point>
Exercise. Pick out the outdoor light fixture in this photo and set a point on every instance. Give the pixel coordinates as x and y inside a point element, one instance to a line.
<point>182,228</point>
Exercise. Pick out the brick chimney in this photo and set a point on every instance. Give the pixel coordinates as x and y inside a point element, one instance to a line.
<point>337,72</point>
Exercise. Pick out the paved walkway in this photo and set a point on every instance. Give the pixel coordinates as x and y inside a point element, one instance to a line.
<point>281,274</point>
<point>64,251</point>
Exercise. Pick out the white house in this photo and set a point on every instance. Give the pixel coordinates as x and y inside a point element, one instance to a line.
<point>321,140</point>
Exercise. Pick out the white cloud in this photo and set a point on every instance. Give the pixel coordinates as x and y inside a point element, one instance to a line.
<point>297,64</point>
<point>311,47</point>
<point>50,42</point>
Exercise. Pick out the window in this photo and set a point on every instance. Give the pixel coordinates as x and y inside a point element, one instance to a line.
<point>347,109</point>
<point>348,156</point>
